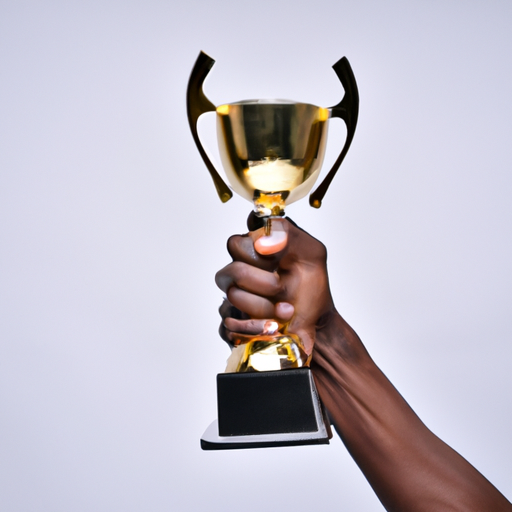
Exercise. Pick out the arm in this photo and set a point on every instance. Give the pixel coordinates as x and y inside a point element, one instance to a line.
<point>408,467</point>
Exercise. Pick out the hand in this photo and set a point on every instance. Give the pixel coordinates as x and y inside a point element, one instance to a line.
<point>282,277</point>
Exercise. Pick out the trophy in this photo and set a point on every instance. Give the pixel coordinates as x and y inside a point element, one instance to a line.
<point>272,152</point>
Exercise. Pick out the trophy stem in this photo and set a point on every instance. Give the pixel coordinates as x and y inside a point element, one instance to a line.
<point>267,224</point>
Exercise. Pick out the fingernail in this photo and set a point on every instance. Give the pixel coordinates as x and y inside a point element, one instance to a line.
<point>270,327</point>
<point>271,244</point>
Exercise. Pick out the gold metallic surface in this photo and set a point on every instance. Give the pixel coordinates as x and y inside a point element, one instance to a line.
<point>267,224</point>
<point>265,353</point>
<point>272,149</point>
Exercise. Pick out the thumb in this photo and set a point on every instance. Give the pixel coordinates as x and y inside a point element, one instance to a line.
<point>273,243</point>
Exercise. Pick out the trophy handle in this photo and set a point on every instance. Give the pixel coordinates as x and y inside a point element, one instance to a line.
<point>347,109</point>
<point>197,105</point>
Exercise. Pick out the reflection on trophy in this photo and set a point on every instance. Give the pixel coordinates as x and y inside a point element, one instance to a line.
<point>272,153</point>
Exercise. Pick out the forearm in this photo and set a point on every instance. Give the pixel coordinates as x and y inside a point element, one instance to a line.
<point>409,468</point>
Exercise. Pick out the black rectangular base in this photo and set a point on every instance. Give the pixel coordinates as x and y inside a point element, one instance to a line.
<point>261,409</point>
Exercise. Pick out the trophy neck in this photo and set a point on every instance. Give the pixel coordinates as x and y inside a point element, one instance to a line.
<point>270,204</point>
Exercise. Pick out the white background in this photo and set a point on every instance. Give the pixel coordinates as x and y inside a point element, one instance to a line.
<point>111,233</point>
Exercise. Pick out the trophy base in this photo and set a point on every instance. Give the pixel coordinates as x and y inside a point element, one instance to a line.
<point>265,409</point>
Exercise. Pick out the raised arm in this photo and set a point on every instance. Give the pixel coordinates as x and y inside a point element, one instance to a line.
<point>409,468</point>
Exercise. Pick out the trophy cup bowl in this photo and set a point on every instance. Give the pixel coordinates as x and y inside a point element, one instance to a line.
<point>272,152</point>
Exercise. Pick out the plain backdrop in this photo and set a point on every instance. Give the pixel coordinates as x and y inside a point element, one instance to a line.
<point>111,233</point>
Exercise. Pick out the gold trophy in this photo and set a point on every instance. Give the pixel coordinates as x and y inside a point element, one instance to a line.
<point>272,153</point>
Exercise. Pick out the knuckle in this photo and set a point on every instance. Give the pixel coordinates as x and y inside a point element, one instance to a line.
<point>232,243</point>
<point>239,271</point>
<point>253,325</point>
<point>221,275</point>
<point>322,251</point>
<point>225,308</point>
<point>276,285</point>
<point>319,251</point>
<point>233,295</point>
<point>224,334</point>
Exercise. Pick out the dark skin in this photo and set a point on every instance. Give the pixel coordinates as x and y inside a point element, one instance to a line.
<point>409,468</point>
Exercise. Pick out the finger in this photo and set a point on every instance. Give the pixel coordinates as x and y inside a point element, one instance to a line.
<point>284,311</point>
<point>225,334</point>
<point>244,325</point>
<point>227,310</point>
<point>241,248</point>
<point>254,305</point>
<point>274,242</point>
<point>251,326</point>
<point>249,278</point>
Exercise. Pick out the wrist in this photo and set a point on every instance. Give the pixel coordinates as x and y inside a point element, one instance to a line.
<point>337,342</point>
